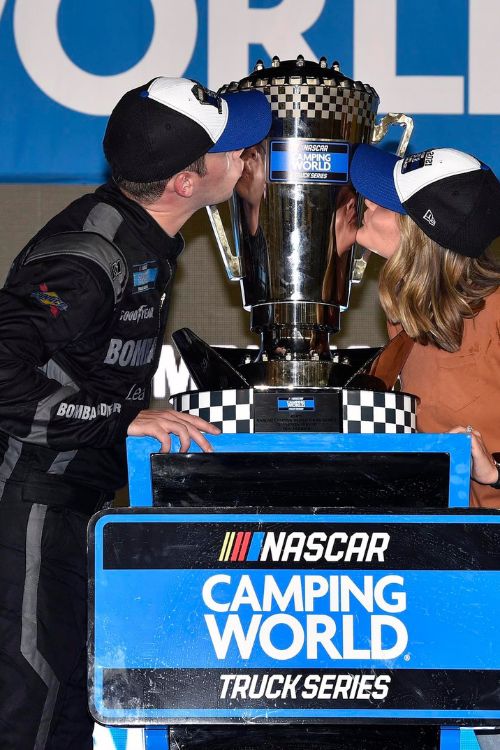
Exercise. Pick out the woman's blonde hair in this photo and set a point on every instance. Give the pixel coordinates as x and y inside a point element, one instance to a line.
<point>430,291</point>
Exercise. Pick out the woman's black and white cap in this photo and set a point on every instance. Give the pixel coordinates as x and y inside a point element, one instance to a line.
<point>158,129</point>
<point>452,196</point>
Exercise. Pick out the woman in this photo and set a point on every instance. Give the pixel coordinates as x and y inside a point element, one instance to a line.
<point>435,216</point>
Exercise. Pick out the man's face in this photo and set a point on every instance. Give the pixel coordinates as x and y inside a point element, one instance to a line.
<point>223,172</point>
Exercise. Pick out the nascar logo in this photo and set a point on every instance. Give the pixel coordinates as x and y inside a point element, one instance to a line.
<point>239,546</point>
<point>283,546</point>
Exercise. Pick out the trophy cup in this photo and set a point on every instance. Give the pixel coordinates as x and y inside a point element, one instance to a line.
<point>294,216</point>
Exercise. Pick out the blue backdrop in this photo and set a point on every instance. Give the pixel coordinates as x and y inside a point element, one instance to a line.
<point>65,63</point>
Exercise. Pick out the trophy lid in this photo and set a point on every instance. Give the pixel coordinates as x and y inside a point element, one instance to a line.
<point>297,73</point>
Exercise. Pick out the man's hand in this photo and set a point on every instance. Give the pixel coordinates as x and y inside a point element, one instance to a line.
<point>483,469</point>
<point>161,424</point>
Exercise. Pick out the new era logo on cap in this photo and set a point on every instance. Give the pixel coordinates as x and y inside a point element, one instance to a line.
<point>428,216</point>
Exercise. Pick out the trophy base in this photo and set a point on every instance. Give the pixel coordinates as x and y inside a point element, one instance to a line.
<point>291,409</point>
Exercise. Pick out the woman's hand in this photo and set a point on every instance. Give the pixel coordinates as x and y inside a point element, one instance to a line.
<point>484,470</point>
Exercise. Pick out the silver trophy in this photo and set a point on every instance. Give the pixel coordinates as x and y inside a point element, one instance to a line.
<point>290,241</point>
<point>294,217</point>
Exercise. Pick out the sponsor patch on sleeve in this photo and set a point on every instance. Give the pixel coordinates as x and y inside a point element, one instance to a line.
<point>144,276</point>
<point>51,299</point>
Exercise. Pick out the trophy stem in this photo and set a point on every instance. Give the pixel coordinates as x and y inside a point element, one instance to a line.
<point>286,343</point>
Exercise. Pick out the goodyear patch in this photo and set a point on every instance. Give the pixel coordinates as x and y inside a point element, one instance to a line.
<point>51,299</point>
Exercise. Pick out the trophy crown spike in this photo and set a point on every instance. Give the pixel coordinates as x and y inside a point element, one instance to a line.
<point>300,72</point>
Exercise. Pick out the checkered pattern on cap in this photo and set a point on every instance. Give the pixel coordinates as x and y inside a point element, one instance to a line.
<point>231,409</point>
<point>377,412</point>
<point>322,102</point>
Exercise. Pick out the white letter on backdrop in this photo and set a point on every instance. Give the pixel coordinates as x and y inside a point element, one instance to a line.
<point>232,26</point>
<point>2,8</point>
<point>103,739</point>
<point>42,54</point>
<point>484,33</point>
<point>176,375</point>
<point>375,63</point>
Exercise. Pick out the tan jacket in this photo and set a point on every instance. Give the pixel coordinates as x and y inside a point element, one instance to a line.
<point>461,388</point>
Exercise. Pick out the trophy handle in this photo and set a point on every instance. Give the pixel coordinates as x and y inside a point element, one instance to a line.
<point>231,262</point>
<point>381,128</point>
<point>361,255</point>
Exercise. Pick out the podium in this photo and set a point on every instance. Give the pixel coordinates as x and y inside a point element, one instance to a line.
<point>324,589</point>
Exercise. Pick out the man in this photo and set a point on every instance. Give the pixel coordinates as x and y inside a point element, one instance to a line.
<point>82,318</point>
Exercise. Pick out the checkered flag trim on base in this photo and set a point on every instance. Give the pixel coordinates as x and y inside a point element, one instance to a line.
<point>377,412</point>
<point>231,410</point>
<point>322,102</point>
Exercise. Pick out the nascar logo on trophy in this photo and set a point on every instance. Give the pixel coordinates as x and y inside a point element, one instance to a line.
<point>291,245</point>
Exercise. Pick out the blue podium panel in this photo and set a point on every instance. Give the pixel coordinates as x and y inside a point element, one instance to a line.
<point>139,451</point>
<point>295,617</point>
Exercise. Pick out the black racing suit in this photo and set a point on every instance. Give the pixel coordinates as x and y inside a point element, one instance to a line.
<point>82,318</point>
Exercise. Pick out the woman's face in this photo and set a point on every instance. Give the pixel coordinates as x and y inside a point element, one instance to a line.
<point>380,231</point>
